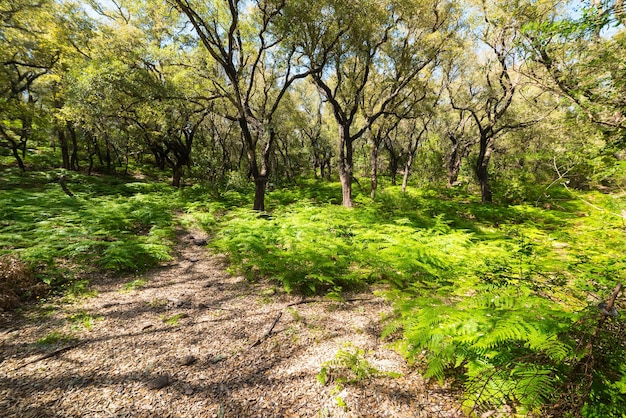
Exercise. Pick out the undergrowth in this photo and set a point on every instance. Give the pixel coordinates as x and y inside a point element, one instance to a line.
<point>503,298</point>
<point>490,295</point>
<point>112,223</point>
<point>350,366</point>
<point>125,226</point>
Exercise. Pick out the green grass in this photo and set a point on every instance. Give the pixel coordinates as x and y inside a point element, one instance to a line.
<point>174,320</point>
<point>84,320</point>
<point>134,285</point>
<point>77,289</point>
<point>350,366</point>
<point>54,338</point>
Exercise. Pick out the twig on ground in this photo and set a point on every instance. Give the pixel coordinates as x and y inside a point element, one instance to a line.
<point>269,331</point>
<point>51,354</point>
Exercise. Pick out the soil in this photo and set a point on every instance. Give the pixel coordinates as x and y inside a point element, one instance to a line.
<point>192,340</point>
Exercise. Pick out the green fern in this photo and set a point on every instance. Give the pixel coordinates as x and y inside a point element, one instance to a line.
<point>349,366</point>
<point>486,334</point>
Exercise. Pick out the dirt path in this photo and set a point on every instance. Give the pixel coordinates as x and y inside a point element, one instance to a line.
<point>191,340</point>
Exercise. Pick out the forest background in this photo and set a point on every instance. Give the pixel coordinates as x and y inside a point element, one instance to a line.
<point>465,158</point>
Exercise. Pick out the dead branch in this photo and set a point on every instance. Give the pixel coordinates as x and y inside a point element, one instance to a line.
<point>269,331</point>
<point>64,186</point>
<point>51,354</point>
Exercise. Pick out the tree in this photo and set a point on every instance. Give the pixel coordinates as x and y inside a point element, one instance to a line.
<point>379,133</point>
<point>73,33</point>
<point>241,39</point>
<point>30,51</point>
<point>363,58</point>
<point>131,94</point>
<point>455,128</point>
<point>487,94</point>
<point>579,62</point>
<point>309,123</point>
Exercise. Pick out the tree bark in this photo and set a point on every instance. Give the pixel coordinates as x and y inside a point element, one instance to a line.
<point>260,185</point>
<point>482,170</point>
<point>394,160</point>
<point>374,167</point>
<point>74,165</point>
<point>459,152</point>
<point>177,174</point>
<point>345,165</point>
<point>97,151</point>
<point>260,176</point>
<point>407,172</point>
<point>65,154</point>
<point>107,154</point>
<point>328,169</point>
<point>15,147</point>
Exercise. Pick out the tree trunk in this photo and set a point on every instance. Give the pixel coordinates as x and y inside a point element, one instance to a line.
<point>394,160</point>
<point>108,154</point>
<point>15,147</point>
<point>65,153</point>
<point>345,165</point>
<point>74,156</point>
<point>284,154</point>
<point>260,184</point>
<point>325,170</point>
<point>90,169</point>
<point>454,163</point>
<point>393,170</point>
<point>482,173</point>
<point>98,152</point>
<point>259,176</point>
<point>407,172</point>
<point>374,167</point>
<point>177,174</point>
<point>317,164</point>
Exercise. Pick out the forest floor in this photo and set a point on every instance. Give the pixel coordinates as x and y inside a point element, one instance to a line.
<point>191,340</point>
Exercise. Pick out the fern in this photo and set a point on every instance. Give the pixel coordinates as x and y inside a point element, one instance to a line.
<point>525,386</point>
<point>349,366</point>
<point>487,334</point>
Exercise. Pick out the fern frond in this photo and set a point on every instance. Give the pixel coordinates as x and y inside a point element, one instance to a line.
<point>507,330</point>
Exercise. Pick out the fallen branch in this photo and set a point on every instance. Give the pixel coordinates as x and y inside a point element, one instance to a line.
<point>304,301</point>
<point>64,186</point>
<point>269,331</point>
<point>51,354</point>
<point>607,308</point>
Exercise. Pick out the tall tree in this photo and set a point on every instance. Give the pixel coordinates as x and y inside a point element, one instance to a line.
<point>74,33</point>
<point>133,94</point>
<point>311,126</point>
<point>363,58</point>
<point>454,128</point>
<point>581,58</point>
<point>487,93</point>
<point>240,37</point>
<point>378,134</point>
